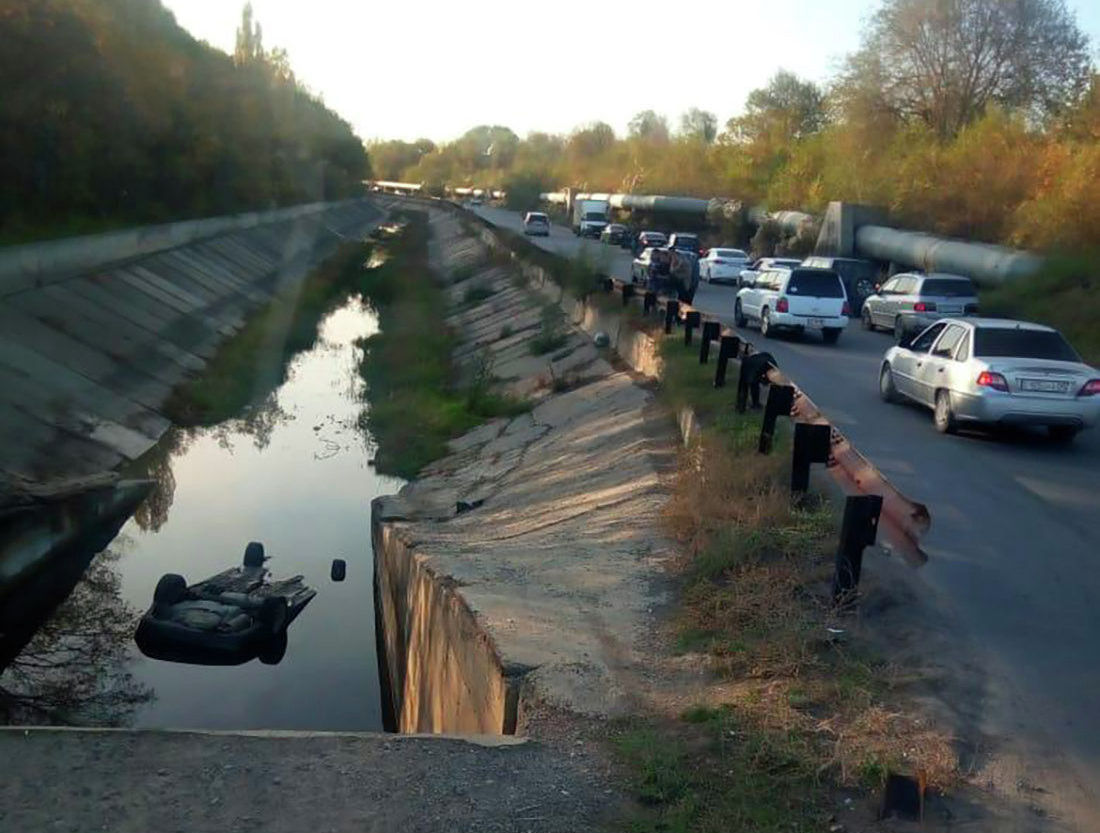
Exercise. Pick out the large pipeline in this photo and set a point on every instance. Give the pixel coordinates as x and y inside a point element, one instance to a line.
<point>981,261</point>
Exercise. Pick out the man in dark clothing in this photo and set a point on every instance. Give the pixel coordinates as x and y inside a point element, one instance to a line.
<point>754,372</point>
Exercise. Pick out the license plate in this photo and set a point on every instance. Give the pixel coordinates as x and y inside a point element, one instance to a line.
<point>947,310</point>
<point>816,322</point>
<point>1044,385</point>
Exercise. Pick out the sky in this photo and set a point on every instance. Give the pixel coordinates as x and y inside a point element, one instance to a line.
<point>435,68</point>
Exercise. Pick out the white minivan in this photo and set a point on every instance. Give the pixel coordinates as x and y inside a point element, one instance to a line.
<point>796,299</point>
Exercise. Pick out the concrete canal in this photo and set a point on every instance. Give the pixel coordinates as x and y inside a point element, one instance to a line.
<point>293,473</point>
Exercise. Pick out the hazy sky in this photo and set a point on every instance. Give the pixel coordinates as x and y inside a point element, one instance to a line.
<point>436,68</point>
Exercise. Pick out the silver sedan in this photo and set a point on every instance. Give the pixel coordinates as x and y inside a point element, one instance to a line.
<point>985,371</point>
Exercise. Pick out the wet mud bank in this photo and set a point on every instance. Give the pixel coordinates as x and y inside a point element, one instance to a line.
<point>523,568</point>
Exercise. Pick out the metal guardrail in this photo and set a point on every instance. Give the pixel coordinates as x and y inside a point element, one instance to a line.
<point>904,521</point>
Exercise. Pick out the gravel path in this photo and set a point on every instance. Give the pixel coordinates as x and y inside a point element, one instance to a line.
<point>164,782</point>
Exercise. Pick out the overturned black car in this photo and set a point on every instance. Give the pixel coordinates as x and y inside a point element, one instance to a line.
<point>227,619</point>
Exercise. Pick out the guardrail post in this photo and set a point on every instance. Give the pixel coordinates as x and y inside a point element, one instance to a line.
<point>628,293</point>
<point>711,329</point>
<point>858,530</point>
<point>812,443</point>
<point>672,311</point>
<point>649,302</point>
<point>780,400</point>
<point>728,347</point>
<point>691,321</point>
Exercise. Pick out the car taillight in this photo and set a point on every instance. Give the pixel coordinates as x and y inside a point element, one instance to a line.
<point>846,310</point>
<point>1091,388</point>
<point>996,381</point>
<point>781,305</point>
<point>923,306</point>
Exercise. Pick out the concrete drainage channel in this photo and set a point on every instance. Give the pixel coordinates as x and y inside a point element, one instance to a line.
<point>521,568</point>
<point>466,633</point>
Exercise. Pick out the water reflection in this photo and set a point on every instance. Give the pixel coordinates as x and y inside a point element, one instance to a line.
<point>74,667</point>
<point>292,472</point>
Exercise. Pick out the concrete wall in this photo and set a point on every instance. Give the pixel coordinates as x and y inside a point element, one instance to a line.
<point>95,332</point>
<point>444,673</point>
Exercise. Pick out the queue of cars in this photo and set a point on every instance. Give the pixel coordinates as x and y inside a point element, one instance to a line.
<point>966,369</point>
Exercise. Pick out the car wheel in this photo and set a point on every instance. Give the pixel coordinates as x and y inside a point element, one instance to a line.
<point>943,415</point>
<point>254,554</point>
<point>886,388</point>
<point>899,330</point>
<point>1062,433</point>
<point>868,322</point>
<point>274,614</point>
<point>739,316</point>
<point>766,323</point>
<point>831,335</point>
<point>170,589</point>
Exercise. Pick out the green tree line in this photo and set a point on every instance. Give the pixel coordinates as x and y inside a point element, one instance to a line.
<point>113,114</point>
<point>971,118</point>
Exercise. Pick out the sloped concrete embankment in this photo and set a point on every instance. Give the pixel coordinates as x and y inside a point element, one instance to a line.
<point>523,568</point>
<point>96,331</point>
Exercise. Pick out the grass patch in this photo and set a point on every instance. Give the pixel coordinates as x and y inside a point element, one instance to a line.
<point>712,773</point>
<point>552,334</point>
<point>1064,295</point>
<point>416,399</point>
<point>254,361</point>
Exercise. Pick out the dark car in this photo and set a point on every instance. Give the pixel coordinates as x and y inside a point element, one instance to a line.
<point>685,243</point>
<point>649,240</point>
<point>859,276</point>
<point>613,233</point>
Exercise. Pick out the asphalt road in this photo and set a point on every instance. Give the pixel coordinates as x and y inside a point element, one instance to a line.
<point>1013,547</point>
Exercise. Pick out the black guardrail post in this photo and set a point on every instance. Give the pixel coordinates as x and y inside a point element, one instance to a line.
<point>672,311</point>
<point>812,443</point>
<point>692,320</point>
<point>649,302</point>
<point>858,530</point>
<point>608,284</point>
<point>628,293</point>
<point>780,399</point>
<point>728,346</point>
<point>711,329</point>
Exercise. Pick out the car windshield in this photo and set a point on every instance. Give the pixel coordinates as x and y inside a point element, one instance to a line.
<point>948,288</point>
<point>594,215</point>
<point>996,342</point>
<point>537,218</point>
<point>815,284</point>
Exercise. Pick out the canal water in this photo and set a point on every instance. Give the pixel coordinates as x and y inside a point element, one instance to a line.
<point>293,474</point>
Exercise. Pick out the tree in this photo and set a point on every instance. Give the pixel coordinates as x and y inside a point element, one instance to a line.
<point>591,140</point>
<point>787,109</point>
<point>699,124</point>
<point>943,62</point>
<point>250,39</point>
<point>648,126</point>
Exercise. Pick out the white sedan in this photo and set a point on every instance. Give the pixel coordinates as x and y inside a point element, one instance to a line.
<point>722,265</point>
<point>984,371</point>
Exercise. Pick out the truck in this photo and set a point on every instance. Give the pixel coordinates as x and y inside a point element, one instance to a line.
<point>590,217</point>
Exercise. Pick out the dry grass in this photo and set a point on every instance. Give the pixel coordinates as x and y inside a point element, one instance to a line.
<point>797,711</point>
<point>757,602</point>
